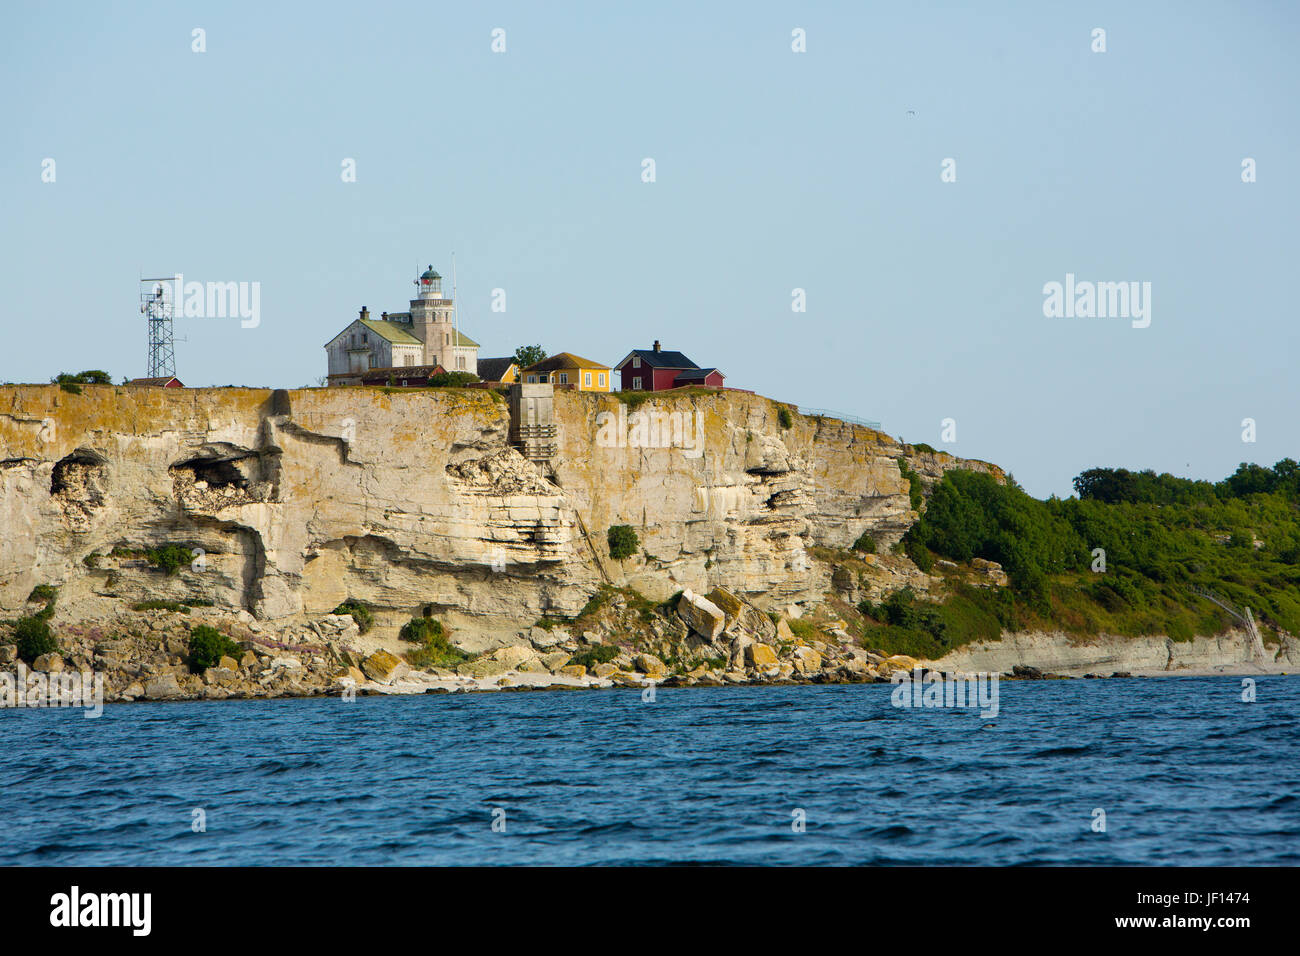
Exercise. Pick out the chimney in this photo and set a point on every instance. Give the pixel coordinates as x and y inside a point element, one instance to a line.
<point>656,345</point>
<point>365,313</point>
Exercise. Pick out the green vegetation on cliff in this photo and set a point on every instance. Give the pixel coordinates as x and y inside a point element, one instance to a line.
<point>1122,557</point>
<point>360,613</point>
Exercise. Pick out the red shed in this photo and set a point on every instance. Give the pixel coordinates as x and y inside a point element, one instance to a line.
<point>705,377</point>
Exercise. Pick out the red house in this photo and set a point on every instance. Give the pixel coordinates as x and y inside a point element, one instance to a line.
<point>164,382</point>
<point>654,370</point>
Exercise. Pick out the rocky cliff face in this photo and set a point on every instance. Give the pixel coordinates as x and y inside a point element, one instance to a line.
<point>288,502</point>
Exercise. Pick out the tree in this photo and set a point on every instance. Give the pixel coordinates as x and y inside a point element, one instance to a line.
<point>72,383</point>
<point>527,355</point>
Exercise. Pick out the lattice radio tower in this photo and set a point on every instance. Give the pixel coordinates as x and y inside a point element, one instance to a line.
<point>157,307</point>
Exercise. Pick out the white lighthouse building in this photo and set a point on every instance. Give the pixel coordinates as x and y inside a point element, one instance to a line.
<point>424,337</point>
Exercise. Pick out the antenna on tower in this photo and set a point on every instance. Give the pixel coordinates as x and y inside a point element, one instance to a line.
<point>158,311</point>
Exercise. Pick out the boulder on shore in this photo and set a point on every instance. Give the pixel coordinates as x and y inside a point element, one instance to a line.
<point>383,667</point>
<point>702,615</point>
<point>163,687</point>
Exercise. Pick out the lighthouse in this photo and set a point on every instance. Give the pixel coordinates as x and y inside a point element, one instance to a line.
<point>431,321</point>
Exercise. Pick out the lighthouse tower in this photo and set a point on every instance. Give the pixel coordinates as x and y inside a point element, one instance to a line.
<point>431,321</point>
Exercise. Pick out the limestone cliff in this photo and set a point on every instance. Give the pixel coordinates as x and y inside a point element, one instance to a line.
<point>292,501</point>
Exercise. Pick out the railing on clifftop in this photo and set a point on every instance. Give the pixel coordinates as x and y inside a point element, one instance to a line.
<point>840,416</point>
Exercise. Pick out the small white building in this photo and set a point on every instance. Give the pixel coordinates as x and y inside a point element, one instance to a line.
<point>424,336</point>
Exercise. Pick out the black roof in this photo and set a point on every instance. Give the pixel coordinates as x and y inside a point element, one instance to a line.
<point>491,369</point>
<point>693,374</point>
<point>660,359</point>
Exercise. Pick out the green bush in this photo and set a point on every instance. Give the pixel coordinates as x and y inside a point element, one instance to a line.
<point>169,558</point>
<point>623,542</point>
<point>33,638</point>
<point>47,593</point>
<point>360,613</point>
<point>176,606</point>
<point>419,630</point>
<point>913,627</point>
<point>865,543</point>
<point>208,646</point>
<point>915,488</point>
<point>434,649</point>
<point>589,657</point>
<point>919,554</point>
<point>784,417</point>
<point>452,379</point>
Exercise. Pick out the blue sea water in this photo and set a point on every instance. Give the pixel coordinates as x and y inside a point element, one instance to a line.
<point>1185,771</point>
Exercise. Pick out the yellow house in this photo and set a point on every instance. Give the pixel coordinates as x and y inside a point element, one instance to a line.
<point>569,369</point>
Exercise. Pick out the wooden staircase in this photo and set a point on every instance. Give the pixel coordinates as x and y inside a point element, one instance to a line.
<point>1243,615</point>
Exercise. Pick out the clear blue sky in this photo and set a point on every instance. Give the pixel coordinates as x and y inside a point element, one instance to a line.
<point>775,170</point>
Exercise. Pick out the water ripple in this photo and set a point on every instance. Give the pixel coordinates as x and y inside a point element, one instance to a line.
<point>824,775</point>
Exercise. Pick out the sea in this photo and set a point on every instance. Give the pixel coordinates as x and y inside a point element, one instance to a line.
<point>1170,770</point>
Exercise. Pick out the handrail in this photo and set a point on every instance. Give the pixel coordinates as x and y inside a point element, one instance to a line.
<point>840,416</point>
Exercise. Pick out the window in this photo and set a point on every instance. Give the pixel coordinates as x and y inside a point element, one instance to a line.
<point>601,381</point>
<point>410,360</point>
<point>372,359</point>
<point>532,378</point>
<point>586,379</point>
<point>636,382</point>
<point>636,363</point>
<point>564,378</point>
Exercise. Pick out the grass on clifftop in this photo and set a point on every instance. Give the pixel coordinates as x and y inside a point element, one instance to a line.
<point>634,399</point>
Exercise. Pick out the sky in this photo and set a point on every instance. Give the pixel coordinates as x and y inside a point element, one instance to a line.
<point>774,170</point>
